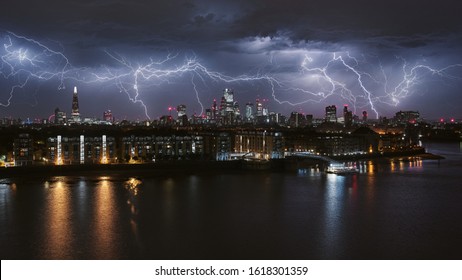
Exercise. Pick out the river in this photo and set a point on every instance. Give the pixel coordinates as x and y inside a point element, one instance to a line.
<point>390,210</point>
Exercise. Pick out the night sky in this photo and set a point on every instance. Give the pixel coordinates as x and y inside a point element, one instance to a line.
<point>139,57</point>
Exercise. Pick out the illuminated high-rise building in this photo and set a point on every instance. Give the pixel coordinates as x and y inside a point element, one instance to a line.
<point>259,106</point>
<point>228,95</point>
<point>208,114</point>
<point>295,119</point>
<point>75,116</point>
<point>223,106</point>
<point>107,116</point>
<point>228,110</point>
<point>60,116</point>
<point>347,116</point>
<point>182,117</point>
<point>214,110</point>
<point>236,110</point>
<point>364,116</point>
<point>331,113</point>
<point>181,109</point>
<point>249,112</point>
<point>404,117</point>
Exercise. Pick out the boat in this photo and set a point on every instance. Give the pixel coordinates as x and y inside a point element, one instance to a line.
<point>341,169</point>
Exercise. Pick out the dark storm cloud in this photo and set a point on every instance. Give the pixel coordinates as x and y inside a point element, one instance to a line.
<point>240,36</point>
<point>200,20</point>
<point>215,21</point>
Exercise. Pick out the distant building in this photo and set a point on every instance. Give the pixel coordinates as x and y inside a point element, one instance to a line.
<point>331,114</point>
<point>223,107</point>
<point>208,114</point>
<point>166,120</point>
<point>229,108</point>
<point>262,114</point>
<point>182,117</point>
<point>364,116</point>
<point>405,117</point>
<point>276,118</point>
<point>181,109</point>
<point>309,119</point>
<point>259,108</point>
<point>236,110</point>
<point>297,119</point>
<point>249,117</point>
<point>75,115</point>
<point>214,110</point>
<point>107,116</point>
<point>347,117</point>
<point>60,117</point>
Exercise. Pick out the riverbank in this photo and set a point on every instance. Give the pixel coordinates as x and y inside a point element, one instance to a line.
<point>191,166</point>
<point>144,169</point>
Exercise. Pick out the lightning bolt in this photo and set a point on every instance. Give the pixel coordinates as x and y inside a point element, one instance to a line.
<point>338,74</point>
<point>157,72</point>
<point>197,95</point>
<point>19,65</point>
<point>411,77</point>
<point>366,82</point>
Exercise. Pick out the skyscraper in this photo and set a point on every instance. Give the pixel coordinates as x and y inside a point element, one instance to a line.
<point>364,116</point>
<point>331,113</point>
<point>347,116</point>
<point>182,117</point>
<point>75,116</point>
<point>259,106</point>
<point>249,112</point>
<point>60,116</point>
<point>228,95</point>
<point>181,109</point>
<point>404,117</point>
<point>214,110</point>
<point>107,116</point>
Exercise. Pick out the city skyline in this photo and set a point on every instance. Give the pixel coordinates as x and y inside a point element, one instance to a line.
<point>226,112</point>
<point>139,58</point>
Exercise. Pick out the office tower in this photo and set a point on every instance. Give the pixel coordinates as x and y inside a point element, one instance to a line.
<point>364,116</point>
<point>331,113</point>
<point>259,108</point>
<point>248,112</point>
<point>107,116</point>
<point>214,110</point>
<point>228,95</point>
<point>347,116</point>
<point>181,109</point>
<point>404,117</point>
<point>60,116</point>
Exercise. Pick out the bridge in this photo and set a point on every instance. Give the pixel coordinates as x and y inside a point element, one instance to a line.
<point>332,166</point>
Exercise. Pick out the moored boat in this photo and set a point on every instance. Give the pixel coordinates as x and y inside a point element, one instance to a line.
<point>341,169</point>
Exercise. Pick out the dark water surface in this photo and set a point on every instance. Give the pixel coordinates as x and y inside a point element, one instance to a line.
<point>391,210</point>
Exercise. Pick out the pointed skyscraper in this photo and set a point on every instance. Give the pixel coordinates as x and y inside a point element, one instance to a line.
<point>75,107</point>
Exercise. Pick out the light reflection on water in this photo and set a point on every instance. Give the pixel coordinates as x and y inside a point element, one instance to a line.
<point>333,207</point>
<point>303,214</point>
<point>57,224</point>
<point>132,185</point>
<point>104,220</point>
